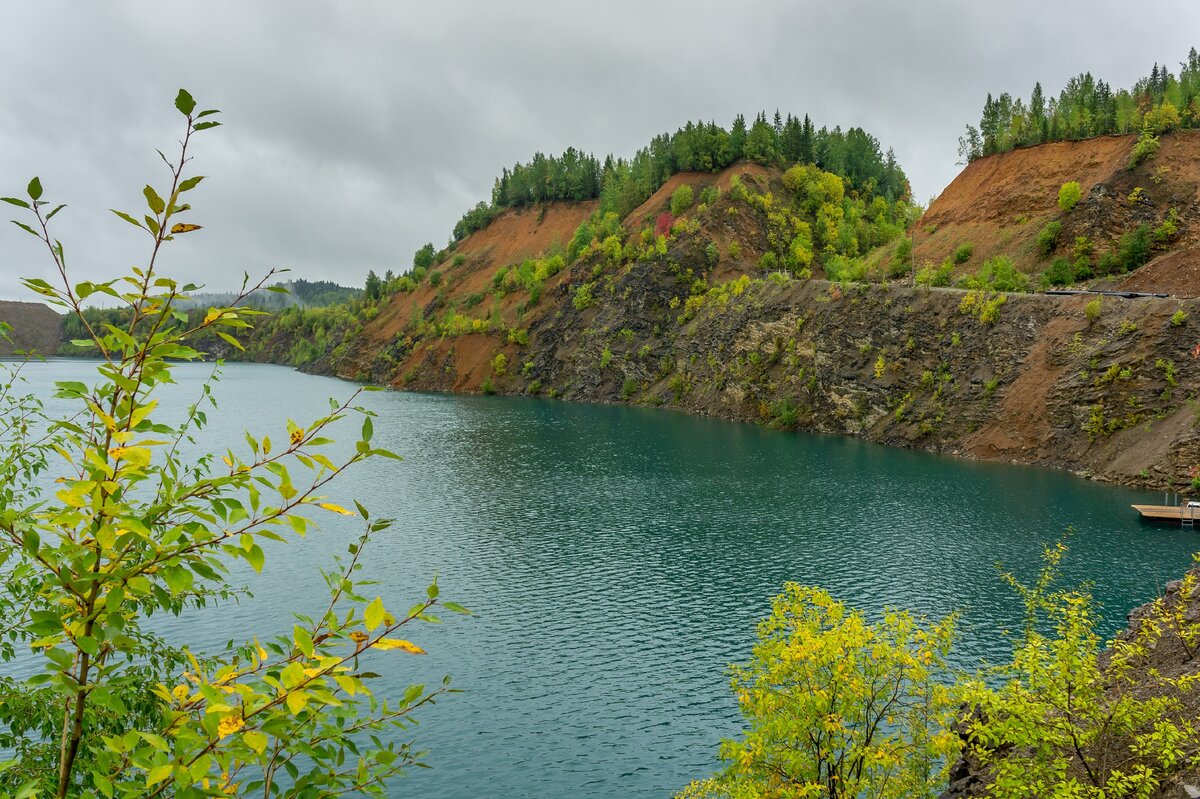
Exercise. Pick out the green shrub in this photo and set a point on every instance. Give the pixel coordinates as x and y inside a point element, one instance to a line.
<point>930,275</point>
<point>1060,273</point>
<point>712,254</point>
<point>1134,249</point>
<point>901,262</point>
<point>583,296</point>
<point>435,278</point>
<point>500,364</point>
<point>1091,311</point>
<point>629,388</point>
<point>963,252</point>
<point>681,200</point>
<point>1178,318</point>
<point>735,250</point>
<point>840,267</point>
<point>424,257</point>
<point>1168,229</point>
<point>709,195</point>
<point>459,259</point>
<point>769,262</point>
<point>997,274</point>
<point>1109,263</point>
<point>606,357</point>
<point>1047,240</point>
<point>1069,195</point>
<point>1145,147</point>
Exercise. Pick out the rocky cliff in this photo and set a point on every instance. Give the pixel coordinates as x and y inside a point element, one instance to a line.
<point>1103,386</point>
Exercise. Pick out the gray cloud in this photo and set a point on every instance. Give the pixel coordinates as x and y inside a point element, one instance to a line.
<point>356,131</point>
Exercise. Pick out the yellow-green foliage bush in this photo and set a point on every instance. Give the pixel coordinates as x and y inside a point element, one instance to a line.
<point>1069,195</point>
<point>832,699</point>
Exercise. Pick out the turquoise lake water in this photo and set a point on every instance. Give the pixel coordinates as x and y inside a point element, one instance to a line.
<point>618,558</point>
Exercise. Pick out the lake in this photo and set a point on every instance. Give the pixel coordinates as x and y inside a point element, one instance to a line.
<point>618,558</point>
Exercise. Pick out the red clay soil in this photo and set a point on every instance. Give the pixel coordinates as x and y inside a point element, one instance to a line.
<point>516,235</point>
<point>510,238</point>
<point>1175,273</point>
<point>999,204</point>
<point>646,213</point>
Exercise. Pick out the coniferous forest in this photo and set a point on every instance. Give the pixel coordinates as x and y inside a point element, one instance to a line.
<point>1087,106</point>
<point>623,184</point>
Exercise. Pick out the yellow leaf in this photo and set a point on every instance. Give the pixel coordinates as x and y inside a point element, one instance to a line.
<point>180,692</point>
<point>211,317</point>
<point>336,508</point>
<point>231,723</point>
<point>397,643</point>
<point>183,227</point>
<point>296,701</point>
<point>297,436</point>
<point>255,740</point>
<point>358,637</point>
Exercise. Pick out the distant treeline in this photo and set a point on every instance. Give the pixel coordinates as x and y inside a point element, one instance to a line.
<point>302,296</point>
<point>1088,107</point>
<point>622,185</point>
<point>304,293</point>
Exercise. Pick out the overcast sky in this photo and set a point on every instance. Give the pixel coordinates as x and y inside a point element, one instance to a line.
<point>356,131</point>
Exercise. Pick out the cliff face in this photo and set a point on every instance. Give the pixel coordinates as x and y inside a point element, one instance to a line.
<point>1112,398</point>
<point>1101,387</point>
<point>36,328</point>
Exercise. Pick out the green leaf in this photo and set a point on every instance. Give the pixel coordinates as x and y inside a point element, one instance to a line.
<point>368,429</point>
<point>185,103</point>
<point>153,200</point>
<point>210,111</point>
<point>157,774</point>
<point>25,227</point>
<point>50,215</point>
<point>178,579</point>
<point>255,557</point>
<point>14,201</point>
<point>456,608</point>
<point>303,641</point>
<point>190,183</point>
<point>205,125</point>
<point>432,590</point>
<point>128,218</point>
<point>373,615</point>
<point>228,339</point>
<point>35,189</point>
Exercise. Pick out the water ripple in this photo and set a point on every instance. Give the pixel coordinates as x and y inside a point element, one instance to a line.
<point>617,560</point>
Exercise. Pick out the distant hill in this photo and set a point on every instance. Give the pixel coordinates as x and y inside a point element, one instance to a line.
<point>35,328</point>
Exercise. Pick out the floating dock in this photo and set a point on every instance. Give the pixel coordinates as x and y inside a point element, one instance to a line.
<point>1184,514</point>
